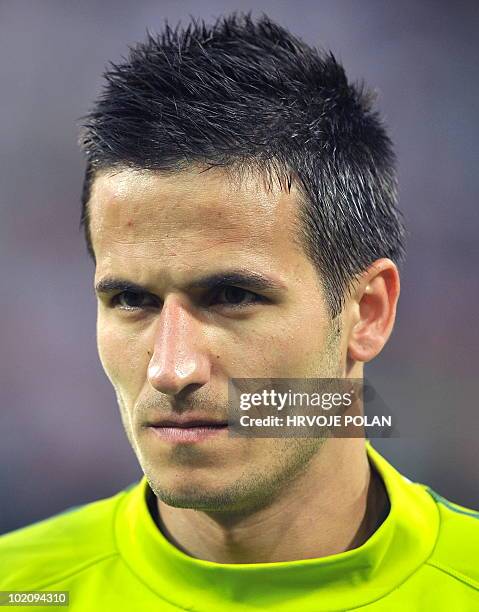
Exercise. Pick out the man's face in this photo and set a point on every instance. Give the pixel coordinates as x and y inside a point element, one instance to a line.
<point>170,347</point>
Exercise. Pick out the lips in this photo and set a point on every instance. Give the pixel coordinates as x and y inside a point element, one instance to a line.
<point>187,430</point>
<point>189,423</point>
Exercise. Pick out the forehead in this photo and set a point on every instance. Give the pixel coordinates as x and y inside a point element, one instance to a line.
<point>191,217</point>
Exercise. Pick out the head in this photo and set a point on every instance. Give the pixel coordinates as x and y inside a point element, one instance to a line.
<point>240,206</point>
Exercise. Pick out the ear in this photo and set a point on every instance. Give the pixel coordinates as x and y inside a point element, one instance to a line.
<point>373,311</point>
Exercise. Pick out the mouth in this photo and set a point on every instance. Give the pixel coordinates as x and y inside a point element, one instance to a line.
<point>187,430</point>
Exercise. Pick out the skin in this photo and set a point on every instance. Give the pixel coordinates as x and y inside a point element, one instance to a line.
<point>172,349</point>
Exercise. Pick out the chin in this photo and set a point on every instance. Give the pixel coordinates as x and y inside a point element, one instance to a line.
<point>194,497</point>
<point>184,491</point>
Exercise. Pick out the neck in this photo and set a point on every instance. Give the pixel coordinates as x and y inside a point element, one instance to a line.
<point>334,506</point>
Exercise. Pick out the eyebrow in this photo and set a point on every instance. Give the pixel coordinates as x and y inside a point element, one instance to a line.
<point>247,279</point>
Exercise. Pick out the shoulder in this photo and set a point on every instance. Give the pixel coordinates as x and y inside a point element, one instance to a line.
<point>39,554</point>
<point>456,552</point>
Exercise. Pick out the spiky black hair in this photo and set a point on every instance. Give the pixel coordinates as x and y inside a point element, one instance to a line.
<point>247,94</point>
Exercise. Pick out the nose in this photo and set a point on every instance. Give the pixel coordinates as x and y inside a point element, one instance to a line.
<point>178,358</point>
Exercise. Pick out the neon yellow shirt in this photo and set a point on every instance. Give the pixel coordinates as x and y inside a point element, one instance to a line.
<point>111,557</point>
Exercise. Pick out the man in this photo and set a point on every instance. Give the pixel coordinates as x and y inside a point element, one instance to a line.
<point>240,207</point>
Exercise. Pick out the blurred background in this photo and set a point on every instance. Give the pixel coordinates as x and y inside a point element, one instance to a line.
<point>62,442</point>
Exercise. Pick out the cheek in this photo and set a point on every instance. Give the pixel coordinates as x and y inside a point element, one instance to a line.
<point>294,350</point>
<point>124,357</point>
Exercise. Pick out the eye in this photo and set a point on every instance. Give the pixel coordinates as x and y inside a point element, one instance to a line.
<point>132,300</point>
<point>236,297</point>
